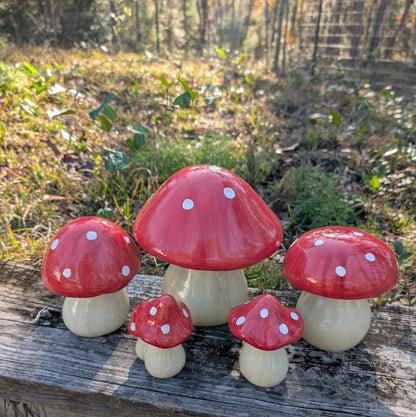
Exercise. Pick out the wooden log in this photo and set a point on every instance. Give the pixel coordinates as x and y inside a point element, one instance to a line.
<point>46,369</point>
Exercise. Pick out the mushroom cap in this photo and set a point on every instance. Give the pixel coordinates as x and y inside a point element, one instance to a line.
<point>341,262</point>
<point>265,324</point>
<point>208,218</point>
<point>90,256</point>
<point>162,322</point>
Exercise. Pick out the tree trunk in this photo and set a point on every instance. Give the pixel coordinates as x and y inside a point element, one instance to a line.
<point>279,36</point>
<point>113,25</point>
<point>285,38</point>
<point>202,6</point>
<point>392,41</point>
<point>157,25</point>
<point>137,21</point>
<point>315,46</point>
<point>266,30</point>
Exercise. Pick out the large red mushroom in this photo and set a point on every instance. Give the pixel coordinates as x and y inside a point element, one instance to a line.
<point>338,268</point>
<point>161,325</point>
<point>90,261</point>
<point>265,326</point>
<point>208,223</point>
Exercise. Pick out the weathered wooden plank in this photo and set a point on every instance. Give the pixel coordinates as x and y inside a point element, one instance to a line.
<point>43,363</point>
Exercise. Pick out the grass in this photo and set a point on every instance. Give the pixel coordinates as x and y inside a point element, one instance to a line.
<point>85,133</point>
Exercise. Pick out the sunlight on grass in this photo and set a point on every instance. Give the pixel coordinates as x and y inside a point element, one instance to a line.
<point>92,134</point>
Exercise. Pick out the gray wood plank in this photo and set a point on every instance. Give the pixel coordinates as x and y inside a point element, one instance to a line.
<point>42,363</point>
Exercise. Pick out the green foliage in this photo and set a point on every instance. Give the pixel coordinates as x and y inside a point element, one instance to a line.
<point>314,199</point>
<point>99,139</point>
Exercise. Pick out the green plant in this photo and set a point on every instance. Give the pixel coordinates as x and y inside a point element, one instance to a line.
<point>314,199</point>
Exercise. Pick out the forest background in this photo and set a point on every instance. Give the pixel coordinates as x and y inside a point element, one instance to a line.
<point>310,101</point>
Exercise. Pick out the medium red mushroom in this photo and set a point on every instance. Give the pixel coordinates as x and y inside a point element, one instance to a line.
<point>208,223</point>
<point>161,325</point>
<point>265,327</point>
<point>90,261</point>
<point>338,268</point>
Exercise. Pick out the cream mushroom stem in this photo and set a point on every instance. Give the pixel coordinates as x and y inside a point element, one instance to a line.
<point>209,295</point>
<point>264,368</point>
<point>96,316</point>
<point>331,324</point>
<point>161,362</point>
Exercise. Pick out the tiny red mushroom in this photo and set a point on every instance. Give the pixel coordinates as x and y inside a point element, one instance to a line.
<point>208,223</point>
<point>265,326</point>
<point>161,325</point>
<point>90,261</point>
<point>338,268</point>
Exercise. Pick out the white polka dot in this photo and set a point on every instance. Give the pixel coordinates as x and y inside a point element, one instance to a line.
<point>283,329</point>
<point>240,320</point>
<point>125,270</point>
<point>185,313</point>
<point>370,257</point>
<point>127,239</point>
<point>214,168</point>
<point>151,299</point>
<point>264,313</point>
<point>340,271</point>
<point>358,234</point>
<point>67,273</point>
<point>187,204</point>
<point>294,316</point>
<point>319,242</point>
<point>133,327</point>
<point>229,193</point>
<point>91,235</point>
<point>165,328</point>
<point>153,311</point>
<point>54,244</point>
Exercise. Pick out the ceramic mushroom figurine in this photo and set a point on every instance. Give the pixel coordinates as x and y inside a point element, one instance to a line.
<point>90,261</point>
<point>338,268</point>
<point>265,327</point>
<point>208,223</point>
<point>161,325</point>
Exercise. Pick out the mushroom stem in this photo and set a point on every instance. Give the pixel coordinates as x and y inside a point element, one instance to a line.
<point>96,316</point>
<point>264,368</point>
<point>209,295</point>
<point>159,362</point>
<point>331,324</point>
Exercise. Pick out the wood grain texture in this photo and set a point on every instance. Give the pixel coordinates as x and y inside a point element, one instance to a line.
<point>44,365</point>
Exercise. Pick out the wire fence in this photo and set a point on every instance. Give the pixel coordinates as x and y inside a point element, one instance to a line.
<point>375,39</point>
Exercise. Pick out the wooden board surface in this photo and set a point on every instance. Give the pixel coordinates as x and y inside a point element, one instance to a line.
<point>43,363</point>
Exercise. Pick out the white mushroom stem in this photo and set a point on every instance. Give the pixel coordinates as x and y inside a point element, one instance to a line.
<point>96,316</point>
<point>331,324</point>
<point>263,368</point>
<point>161,363</point>
<point>209,295</point>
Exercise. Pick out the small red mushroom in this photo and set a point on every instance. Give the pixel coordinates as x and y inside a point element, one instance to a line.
<point>90,261</point>
<point>338,268</point>
<point>265,327</point>
<point>208,223</point>
<point>161,325</point>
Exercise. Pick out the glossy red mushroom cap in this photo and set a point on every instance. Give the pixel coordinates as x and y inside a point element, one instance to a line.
<point>90,256</point>
<point>265,324</point>
<point>341,262</point>
<point>208,218</point>
<point>162,322</point>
